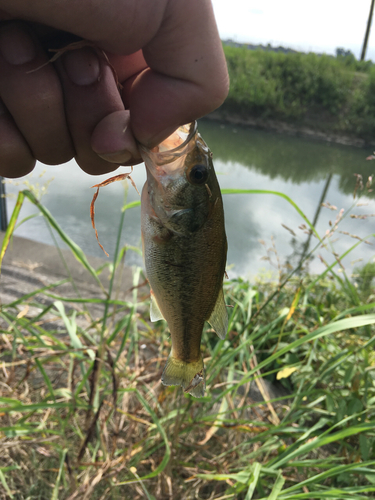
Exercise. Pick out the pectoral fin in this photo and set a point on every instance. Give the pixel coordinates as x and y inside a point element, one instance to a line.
<point>219,317</point>
<point>155,313</point>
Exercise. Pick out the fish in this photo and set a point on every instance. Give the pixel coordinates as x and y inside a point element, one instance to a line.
<point>184,249</point>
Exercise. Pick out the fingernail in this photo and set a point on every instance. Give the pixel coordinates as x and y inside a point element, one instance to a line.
<point>118,157</point>
<point>82,66</point>
<point>16,46</point>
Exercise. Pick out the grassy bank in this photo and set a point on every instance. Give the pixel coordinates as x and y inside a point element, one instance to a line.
<point>332,95</point>
<point>83,414</point>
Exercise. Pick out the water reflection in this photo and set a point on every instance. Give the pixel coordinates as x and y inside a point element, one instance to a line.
<point>246,159</point>
<point>290,158</point>
<point>310,172</point>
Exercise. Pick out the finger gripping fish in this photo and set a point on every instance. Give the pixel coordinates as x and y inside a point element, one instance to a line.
<point>184,249</point>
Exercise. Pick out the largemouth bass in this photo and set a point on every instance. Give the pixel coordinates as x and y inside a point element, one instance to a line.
<point>184,249</point>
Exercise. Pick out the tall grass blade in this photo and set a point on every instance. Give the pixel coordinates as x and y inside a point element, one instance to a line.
<point>5,484</point>
<point>275,193</point>
<point>132,204</point>
<point>115,259</point>
<point>344,324</point>
<point>12,222</point>
<point>277,487</point>
<point>143,486</point>
<point>55,493</point>
<point>320,441</point>
<point>27,296</point>
<point>46,378</point>
<point>71,327</point>
<point>333,494</point>
<point>75,249</point>
<point>335,263</point>
<point>318,479</point>
<point>253,480</point>
<point>160,428</point>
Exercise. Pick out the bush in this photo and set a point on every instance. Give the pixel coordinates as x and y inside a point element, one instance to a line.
<point>334,94</point>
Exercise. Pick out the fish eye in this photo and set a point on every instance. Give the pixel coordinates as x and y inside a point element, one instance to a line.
<point>198,174</point>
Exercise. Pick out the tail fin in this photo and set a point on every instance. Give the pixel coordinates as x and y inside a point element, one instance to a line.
<point>190,376</point>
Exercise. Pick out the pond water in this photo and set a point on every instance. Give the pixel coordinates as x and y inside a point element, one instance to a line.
<point>307,171</point>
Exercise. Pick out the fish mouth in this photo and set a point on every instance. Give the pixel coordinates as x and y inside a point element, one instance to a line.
<point>185,132</point>
<point>167,159</point>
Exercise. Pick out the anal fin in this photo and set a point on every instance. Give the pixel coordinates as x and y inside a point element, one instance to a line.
<point>155,313</point>
<point>219,316</point>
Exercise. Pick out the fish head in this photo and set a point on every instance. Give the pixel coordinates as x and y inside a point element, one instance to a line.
<point>181,180</point>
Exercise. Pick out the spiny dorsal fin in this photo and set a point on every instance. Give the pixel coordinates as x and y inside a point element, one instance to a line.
<point>155,313</point>
<point>219,317</point>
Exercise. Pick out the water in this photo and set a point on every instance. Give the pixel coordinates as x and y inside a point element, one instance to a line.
<point>244,158</point>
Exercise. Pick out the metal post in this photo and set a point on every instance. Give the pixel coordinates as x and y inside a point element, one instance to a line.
<point>316,217</point>
<point>3,207</point>
<point>367,34</point>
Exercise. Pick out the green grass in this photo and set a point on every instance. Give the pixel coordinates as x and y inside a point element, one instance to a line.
<point>334,95</point>
<point>83,413</point>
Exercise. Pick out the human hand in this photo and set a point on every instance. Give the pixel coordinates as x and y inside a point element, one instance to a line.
<point>166,53</point>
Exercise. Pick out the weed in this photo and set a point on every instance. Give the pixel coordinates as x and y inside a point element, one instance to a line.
<point>289,411</point>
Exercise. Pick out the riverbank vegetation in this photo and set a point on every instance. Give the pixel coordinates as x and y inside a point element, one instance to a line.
<point>333,95</point>
<point>289,411</point>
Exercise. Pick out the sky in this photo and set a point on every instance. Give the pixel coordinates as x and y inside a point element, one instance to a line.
<point>308,26</point>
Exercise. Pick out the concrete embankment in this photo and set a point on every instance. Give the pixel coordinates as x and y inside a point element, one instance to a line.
<point>281,127</point>
<point>29,265</point>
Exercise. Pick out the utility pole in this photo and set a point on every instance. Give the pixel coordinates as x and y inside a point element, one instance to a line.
<point>367,34</point>
<point>3,207</point>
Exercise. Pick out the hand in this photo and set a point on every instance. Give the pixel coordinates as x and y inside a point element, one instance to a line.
<point>166,53</point>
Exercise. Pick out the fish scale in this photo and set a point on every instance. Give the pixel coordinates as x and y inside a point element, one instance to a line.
<point>184,249</point>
